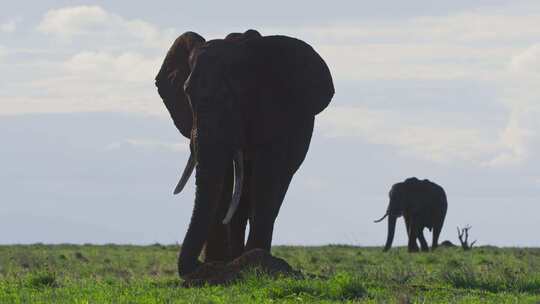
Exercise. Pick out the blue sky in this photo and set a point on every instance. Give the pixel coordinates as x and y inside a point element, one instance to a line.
<point>445,91</point>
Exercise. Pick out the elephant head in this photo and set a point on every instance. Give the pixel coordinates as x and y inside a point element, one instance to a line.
<point>395,209</point>
<point>236,93</point>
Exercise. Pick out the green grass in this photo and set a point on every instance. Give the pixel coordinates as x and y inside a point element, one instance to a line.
<point>147,274</point>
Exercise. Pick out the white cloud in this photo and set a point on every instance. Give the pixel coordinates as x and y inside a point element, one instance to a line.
<point>514,138</point>
<point>468,46</point>
<point>405,61</point>
<point>483,46</point>
<point>118,76</point>
<point>409,134</point>
<point>473,27</point>
<point>420,133</point>
<point>527,61</point>
<point>90,81</point>
<point>480,46</point>
<point>9,26</point>
<point>70,22</point>
<point>522,97</point>
<point>102,66</point>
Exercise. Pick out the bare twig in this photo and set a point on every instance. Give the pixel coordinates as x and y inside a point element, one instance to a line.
<point>463,235</point>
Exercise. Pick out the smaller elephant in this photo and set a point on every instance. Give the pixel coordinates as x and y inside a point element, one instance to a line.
<point>423,205</point>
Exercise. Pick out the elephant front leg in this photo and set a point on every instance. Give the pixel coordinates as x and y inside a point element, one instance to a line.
<point>227,242</point>
<point>407,225</point>
<point>217,247</point>
<point>413,235</point>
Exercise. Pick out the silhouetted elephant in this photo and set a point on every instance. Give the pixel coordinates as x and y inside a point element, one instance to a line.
<point>423,205</point>
<point>248,105</point>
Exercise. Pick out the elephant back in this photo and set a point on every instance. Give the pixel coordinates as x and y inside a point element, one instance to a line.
<point>295,73</point>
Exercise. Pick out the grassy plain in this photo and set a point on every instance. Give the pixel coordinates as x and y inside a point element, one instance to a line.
<point>147,274</point>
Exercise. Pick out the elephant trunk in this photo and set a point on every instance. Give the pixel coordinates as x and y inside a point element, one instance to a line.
<point>391,229</point>
<point>209,179</point>
<point>382,218</point>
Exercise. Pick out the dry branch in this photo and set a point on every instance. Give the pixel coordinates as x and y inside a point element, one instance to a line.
<point>463,235</point>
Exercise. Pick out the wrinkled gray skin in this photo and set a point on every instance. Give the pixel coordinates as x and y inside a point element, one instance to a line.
<point>247,98</point>
<point>423,204</point>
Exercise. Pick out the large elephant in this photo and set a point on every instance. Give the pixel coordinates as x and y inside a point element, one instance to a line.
<point>248,104</point>
<point>423,205</point>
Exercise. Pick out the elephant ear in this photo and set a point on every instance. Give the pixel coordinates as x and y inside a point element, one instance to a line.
<point>296,74</point>
<point>171,77</point>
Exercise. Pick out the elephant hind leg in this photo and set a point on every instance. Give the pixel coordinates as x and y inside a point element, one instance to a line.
<point>422,240</point>
<point>273,167</point>
<point>436,233</point>
<point>267,196</point>
<point>439,223</point>
<point>407,225</point>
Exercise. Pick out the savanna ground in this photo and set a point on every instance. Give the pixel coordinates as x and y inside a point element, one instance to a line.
<point>147,274</point>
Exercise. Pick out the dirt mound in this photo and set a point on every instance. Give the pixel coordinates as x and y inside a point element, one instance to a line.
<point>447,244</point>
<point>218,273</point>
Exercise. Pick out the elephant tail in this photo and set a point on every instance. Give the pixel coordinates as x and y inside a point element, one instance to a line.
<point>382,218</point>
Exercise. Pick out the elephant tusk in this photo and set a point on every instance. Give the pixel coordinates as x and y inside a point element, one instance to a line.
<point>187,173</point>
<point>382,218</point>
<point>238,182</point>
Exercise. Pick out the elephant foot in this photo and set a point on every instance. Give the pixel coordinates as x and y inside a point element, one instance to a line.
<point>220,273</point>
<point>185,269</point>
<point>414,250</point>
<point>211,273</point>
